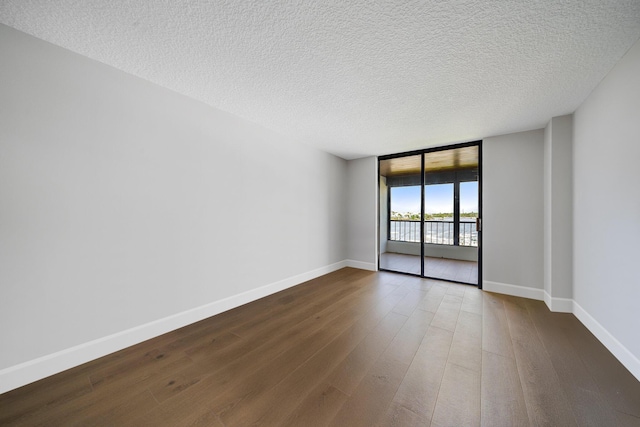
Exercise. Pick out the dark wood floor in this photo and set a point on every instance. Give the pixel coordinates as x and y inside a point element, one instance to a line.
<point>352,348</point>
<point>437,268</point>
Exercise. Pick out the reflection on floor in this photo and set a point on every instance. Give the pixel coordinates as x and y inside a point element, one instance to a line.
<point>441,268</point>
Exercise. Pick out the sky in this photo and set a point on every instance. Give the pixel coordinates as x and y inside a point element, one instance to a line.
<point>438,198</point>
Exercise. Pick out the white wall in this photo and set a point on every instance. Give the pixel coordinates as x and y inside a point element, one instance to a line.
<point>546,260</point>
<point>558,212</point>
<point>607,209</point>
<point>362,213</point>
<point>122,203</point>
<point>512,191</point>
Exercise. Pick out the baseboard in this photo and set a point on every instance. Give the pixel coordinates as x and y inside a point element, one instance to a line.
<point>567,305</point>
<point>560,305</point>
<point>42,367</point>
<point>516,291</point>
<point>631,362</point>
<point>362,265</point>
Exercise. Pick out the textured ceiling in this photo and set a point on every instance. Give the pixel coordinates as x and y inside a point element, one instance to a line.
<point>358,77</point>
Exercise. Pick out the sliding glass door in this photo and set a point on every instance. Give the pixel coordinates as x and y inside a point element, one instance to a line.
<point>401,208</point>
<point>429,213</point>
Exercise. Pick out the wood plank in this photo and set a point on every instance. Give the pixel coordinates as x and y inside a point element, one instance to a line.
<point>496,337</point>
<point>250,374</point>
<point>103,412</point>
<point>97,408</point>
<point>409,302</point>
<point>447,314</point>
<point>399,416</point>
<point>405,344</point>
<point>417,283</point>
<point>295,311</point>
<point>459,397</point>
<point>545,399</point>
<point>176,381</point>
<point>272,407</point>
<point>458,401</point>
<point>348,374</point>
<point>196,413</point>
<point>626,420</point>
<point>466,348</point>
<point>42,396</point>
<point>589,406</point>
<point>456,289</point>
<point>373,395</point>
<point>418,391</point>
<point>369,401</point>
<point>472,301</point>
<point>272,370</point>
<point>318,408</point>
<point>228,388</point>
<point>501,393</point>
<point>434,297</point>
<point>615,382</point>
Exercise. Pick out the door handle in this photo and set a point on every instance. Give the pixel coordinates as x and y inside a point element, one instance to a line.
<point>478,224</point>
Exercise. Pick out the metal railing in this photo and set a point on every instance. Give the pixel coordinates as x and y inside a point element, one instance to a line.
<point>435,232</point>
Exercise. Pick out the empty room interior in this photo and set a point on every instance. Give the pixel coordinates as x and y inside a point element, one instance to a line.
<point>298,213</point>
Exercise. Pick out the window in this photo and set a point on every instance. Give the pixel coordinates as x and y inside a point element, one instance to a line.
<point>444,217</point>
<point>468,235</point>
<point>404,222</point>
<point>438,216</point>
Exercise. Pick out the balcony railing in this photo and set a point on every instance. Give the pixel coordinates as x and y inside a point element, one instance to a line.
<point>435,232</point>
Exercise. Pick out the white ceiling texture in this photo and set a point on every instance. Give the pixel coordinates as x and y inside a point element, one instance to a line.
<point>355,77</point>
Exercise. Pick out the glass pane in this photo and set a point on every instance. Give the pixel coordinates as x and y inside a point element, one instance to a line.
<point>449,220</point>
<point>468,213</point>
<point>438,218</point>
<point>405,214</point>
<point>400,197</point>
